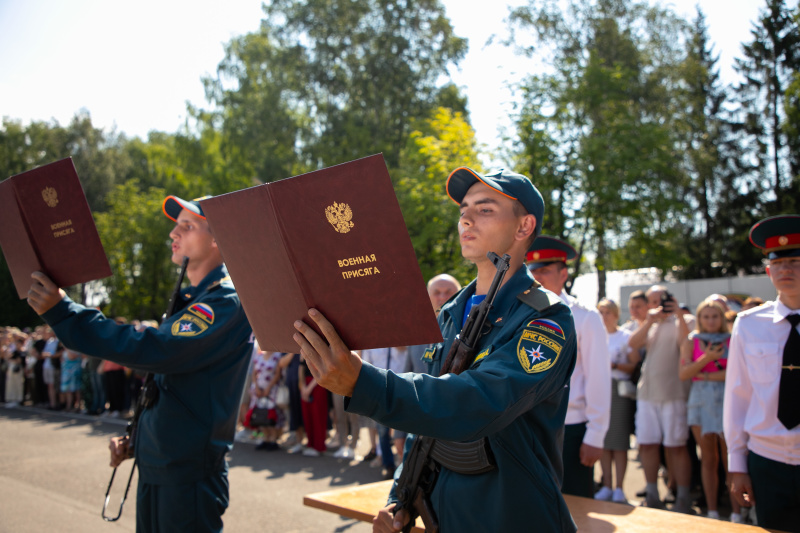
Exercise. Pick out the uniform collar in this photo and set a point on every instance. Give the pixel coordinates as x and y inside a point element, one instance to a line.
<point>213,278</point>
<point>781,311</point>
<point>566,298</point>
<point>506,296</point>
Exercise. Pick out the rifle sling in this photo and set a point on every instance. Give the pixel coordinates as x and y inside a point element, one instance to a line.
<point>470,458</point>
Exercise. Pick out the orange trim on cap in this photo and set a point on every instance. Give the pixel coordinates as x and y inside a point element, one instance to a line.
<point>164,209</point>
<point>778,242</point>
<point>447,189</point>
<point>546,255</point>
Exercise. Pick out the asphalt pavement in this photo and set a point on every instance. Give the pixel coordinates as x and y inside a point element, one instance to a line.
<point>54,473</point>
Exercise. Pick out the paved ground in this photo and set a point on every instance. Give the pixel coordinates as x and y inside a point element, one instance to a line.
<point>54,472</point>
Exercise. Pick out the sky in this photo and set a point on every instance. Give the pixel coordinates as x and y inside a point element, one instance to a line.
<point>134,65</point>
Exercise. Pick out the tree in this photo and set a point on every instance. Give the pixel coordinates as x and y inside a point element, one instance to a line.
<point>439,144</point>
<point>770,61</point>
<point>598,127</point>
<point>327,81</point>
<point>134,233</point>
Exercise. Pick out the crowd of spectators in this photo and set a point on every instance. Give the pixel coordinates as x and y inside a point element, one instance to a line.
<point>38,371</point>
<point>668,379</point>
<point>667,372</point>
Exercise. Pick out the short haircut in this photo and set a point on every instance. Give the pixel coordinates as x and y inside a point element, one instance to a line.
<point>655,288</point>
<point>638,295</point>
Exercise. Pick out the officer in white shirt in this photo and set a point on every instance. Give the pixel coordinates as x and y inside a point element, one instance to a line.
<point>589,407</point>
<point>761,414</point>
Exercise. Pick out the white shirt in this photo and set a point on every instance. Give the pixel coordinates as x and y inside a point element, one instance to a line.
<point>590,384</point>
<point>618,350</point>
<point>750,410</point>
<point>382,358</point>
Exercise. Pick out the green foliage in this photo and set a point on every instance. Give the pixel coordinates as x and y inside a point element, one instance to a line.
<point>596,132</point>
<point>134,232</point>
<point>770,62</point>
<point>438,145</point>
<point>328,81</point>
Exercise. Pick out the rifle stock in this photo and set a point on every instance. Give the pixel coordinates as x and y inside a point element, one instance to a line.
<point>147,397</point>
<point>419,470</point>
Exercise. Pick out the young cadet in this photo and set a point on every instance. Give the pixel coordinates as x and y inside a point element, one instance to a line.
<point>199,356</point>
<point>589,409</point>
<point>514,396</point>
<point>761,410</point>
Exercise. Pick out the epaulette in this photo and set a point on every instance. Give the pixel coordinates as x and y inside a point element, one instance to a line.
<point>755,309</point>
<point>217,284</point>
<point>538,298</point>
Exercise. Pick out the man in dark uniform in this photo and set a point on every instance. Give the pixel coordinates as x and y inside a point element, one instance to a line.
<point>514,396</point>
<point>199,356</point>
<point>761,411</point>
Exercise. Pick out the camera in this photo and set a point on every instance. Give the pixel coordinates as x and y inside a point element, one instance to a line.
<point>665,298</point>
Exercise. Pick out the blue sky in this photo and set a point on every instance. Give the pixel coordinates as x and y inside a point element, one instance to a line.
<point>134,65</point>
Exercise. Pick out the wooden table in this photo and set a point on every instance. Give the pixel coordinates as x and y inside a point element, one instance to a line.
<point>363,503</point>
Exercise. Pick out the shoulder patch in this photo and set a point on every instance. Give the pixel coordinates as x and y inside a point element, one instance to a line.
<point>482,355</point>
<point>202,310</point>
<point>539,346</point>
<point>538,298</point>
<point>188,325</point>
<point>428,355</point>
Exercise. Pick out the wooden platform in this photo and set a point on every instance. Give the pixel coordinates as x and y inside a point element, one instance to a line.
<point>363,503</point>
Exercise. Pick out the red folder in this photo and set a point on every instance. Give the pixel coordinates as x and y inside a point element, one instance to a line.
<point>334,240</point>
<point>46,225</point>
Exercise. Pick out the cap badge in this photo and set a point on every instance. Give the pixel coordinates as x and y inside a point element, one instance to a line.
<point>50,196</point>
<point>783,240</point>
<point>535,255</point>
<point>339,216</point>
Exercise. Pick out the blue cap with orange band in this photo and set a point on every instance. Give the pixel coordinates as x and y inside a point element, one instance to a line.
<point>510,184</point>
<point>173,206</point>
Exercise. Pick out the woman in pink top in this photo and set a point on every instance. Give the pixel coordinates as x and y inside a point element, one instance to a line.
<point>704,356</point>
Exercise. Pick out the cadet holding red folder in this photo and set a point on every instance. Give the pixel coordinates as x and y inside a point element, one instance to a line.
<point>511,401</point>
<point>199,357</point>
<point>46,225</point>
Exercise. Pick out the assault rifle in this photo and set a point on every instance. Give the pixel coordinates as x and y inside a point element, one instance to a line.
<point>147,398</point>
<point>421,467</point>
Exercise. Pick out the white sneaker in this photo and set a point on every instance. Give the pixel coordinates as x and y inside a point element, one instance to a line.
<point>736,518</point>
<point>618,496</point>
<point>243,435</point>
<point>311,452</point>
<point>297,448</point>
<point>713,514</point>
<point>343,453</point>
<point>604,494</point>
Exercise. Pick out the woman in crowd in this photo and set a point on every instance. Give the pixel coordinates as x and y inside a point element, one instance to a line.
<point>623,392</point>
<point>263,391</point>
<point>703,360</point>
<point>71,380</point>
<point>315,411</point>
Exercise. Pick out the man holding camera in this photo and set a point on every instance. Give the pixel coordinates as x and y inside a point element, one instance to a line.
<point>661,398</point>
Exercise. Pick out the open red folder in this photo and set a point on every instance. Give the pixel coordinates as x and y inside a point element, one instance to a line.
<point>334,240</point>
<point>46,225</point>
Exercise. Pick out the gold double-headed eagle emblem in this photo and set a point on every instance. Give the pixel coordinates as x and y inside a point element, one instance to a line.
<point>50,196</point>
<point>340,215</point>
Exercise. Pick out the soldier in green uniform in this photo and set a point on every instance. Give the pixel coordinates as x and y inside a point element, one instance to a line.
<point>513,398</point>
<point>199,357</point>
